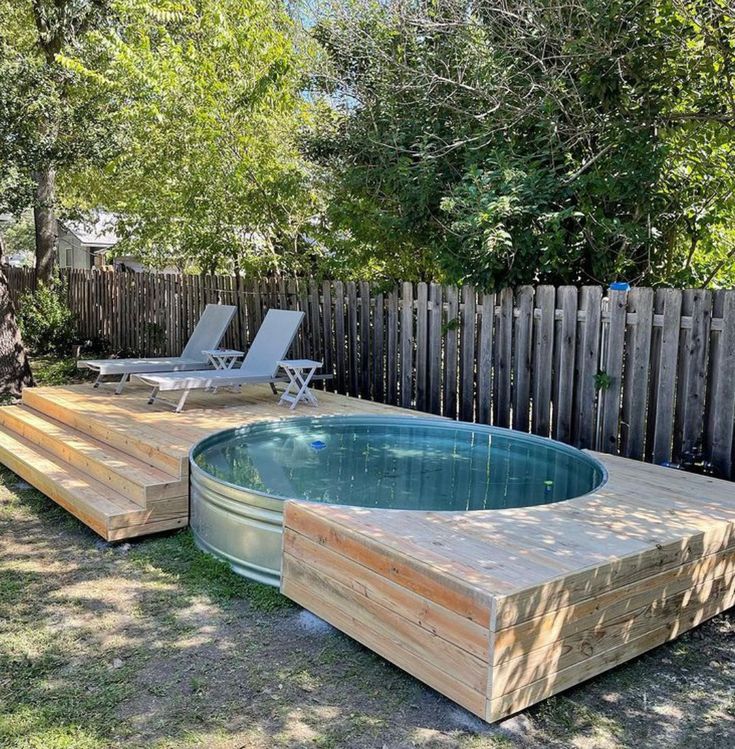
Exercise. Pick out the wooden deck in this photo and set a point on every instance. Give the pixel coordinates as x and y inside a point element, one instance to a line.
<point>497,610</point>
<point>120,465</point>
<point>500,609</point>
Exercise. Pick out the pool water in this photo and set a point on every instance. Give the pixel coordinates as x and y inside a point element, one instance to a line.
<point>397,463</point>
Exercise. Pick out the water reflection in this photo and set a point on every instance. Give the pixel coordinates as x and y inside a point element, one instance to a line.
<point>398,463</point>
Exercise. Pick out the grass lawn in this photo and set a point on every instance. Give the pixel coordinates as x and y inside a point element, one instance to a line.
<point>154,644</point>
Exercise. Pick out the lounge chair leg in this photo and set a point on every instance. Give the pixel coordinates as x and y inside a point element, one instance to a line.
<point>182,400</point>
<point>121,384</point>
<point>273,388</point>
<point>152,398</point>
<point>97,381</point>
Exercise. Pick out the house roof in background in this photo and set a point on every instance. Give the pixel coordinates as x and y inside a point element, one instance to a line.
<point>97,230</point>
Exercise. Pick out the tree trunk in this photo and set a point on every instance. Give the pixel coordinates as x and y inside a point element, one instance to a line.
<point>15,369</point>
<point>45,221</point>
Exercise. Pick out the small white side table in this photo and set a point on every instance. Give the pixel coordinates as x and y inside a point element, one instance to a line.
<point>223,358</point>
<point>300,372</point>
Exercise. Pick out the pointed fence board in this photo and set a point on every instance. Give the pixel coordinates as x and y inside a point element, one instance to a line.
<point>434,364</point>
<point>504,359</point>
<point>467,355</point>
<point>485,360</point>
<point>666,367</point>
<point>613,371</point>
<point>588,353</point>
<point>422,346</point>
<point>565,342</point>
<point>522,353</point>
<point>637,373</point>
<point>451,348</point>
<point>407,344</point>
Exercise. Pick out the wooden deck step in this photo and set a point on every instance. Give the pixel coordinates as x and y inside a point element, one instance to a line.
<point>127,475</point>
<point>115,429</point>
<point>107,512</point>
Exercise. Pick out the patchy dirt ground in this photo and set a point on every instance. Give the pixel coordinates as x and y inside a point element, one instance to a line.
<point>153,644</point>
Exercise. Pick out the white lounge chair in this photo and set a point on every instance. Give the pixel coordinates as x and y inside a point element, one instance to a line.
<point>271,344</point>
<point>207,334</point>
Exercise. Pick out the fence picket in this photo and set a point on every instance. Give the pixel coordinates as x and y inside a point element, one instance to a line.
<point>588,353</point>
<point>451,350</point>
<point>614,371</point>
<point>467,354</point>
<point>543,358</point>
<point>485,361</point>
<point>694,386</point>
<point>365,380</point>
<point>339,336</point>
<point>666,370</point>
<point>565,359</point>
<point>522,353</point>
<point>315,319</point>
<point>352,370</point>
<point>327,333</point>
<point>434,363</point>
<point>422,344</point>
<point>504,359</point>
<point>379,347</point>
<point>723,391</point>
<point>391,356</point>
<point>406,360</point>
<point>635,397</point>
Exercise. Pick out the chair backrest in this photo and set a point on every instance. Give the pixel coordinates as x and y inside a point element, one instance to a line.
<point>272,342</point>
<point>209,331</point>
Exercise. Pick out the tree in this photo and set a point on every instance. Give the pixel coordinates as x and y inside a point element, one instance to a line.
<point>208,173</point>
<point>534,140</point>
<point>15,369</point>
<point>47,119</point>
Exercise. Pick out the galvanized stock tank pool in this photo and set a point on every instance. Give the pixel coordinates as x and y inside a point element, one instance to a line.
<point>241,477</point>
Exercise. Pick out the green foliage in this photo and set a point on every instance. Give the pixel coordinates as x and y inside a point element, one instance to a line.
<point>208,174</point>
<point>49,115</point>
<point>47,324</point>
<point>552,142</point>
<point>511,219</point>
<point>18,237</point>
<point>53,370</point>
<point>603,381</point>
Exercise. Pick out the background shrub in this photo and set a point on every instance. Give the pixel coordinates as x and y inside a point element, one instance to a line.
<point>47,324</point>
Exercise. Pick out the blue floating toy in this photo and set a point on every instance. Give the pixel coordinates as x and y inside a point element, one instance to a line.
<point>318,445</point>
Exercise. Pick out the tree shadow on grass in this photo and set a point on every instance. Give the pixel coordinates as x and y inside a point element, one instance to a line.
<point>156,644</point>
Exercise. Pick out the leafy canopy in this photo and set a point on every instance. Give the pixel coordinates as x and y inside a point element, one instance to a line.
<point>49,116</point>
<point>207,170</point>
<point>535,141</point>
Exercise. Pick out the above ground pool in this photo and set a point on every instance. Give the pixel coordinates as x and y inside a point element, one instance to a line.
<point>241,477</point>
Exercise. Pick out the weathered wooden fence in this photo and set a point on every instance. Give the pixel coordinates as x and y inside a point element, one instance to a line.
<point>649,374</point>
